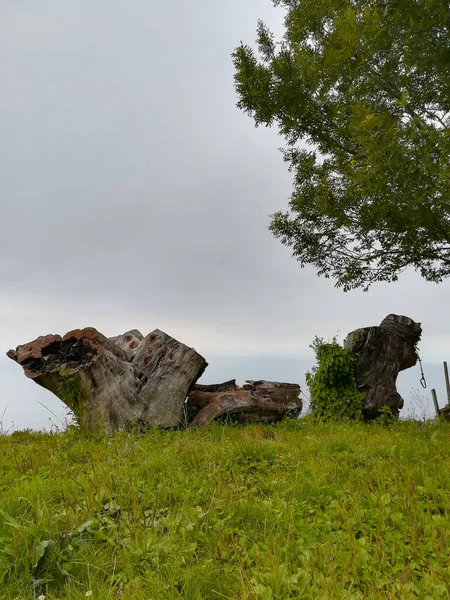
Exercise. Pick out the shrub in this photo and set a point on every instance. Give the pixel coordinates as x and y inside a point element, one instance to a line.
<point>332,385</point>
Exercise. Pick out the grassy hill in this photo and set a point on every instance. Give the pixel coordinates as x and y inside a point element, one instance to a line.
<point>296,510</point>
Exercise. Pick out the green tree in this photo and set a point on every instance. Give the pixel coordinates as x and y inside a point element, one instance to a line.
<point>360,89</point>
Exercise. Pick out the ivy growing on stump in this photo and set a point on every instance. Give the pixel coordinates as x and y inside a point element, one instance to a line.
<point>332,385</point>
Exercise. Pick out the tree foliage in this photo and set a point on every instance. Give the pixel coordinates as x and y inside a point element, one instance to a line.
<point>360,90</point>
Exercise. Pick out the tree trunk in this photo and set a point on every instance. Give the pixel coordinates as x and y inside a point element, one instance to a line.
<point>112,383</point>
<point>256,401</point>
<point>380,353</point>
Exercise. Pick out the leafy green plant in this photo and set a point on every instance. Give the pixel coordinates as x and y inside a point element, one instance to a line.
<point>73,398</point>
<point>385,416</point>
<point>334,394</point>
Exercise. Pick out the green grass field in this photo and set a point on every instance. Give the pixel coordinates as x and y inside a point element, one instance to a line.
<point>295,510</point>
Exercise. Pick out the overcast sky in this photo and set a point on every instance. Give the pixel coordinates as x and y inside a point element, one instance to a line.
<point>134,194</point>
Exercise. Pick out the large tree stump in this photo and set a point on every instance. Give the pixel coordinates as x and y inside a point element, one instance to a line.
<point>256,401</point>
<point>112,383</point>
<point>381,353</point>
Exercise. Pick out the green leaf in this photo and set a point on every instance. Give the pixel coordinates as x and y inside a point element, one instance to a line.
<point>385,499</point>
<point>86,526</point>
<point>41,549</point>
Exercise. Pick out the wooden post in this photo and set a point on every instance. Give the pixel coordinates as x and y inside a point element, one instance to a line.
<point>435,402</point>
<point>447,383</point>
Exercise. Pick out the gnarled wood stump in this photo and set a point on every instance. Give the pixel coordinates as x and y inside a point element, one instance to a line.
<point>257,401</point>
<point>444,412</point>
<point>112,383</point>
<point>381,353</point>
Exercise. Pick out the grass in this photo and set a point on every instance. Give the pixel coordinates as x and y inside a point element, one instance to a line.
<point>296,510</point>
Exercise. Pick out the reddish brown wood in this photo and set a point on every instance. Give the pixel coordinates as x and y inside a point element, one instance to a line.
<point>216,387</point>
<point>256,401</point>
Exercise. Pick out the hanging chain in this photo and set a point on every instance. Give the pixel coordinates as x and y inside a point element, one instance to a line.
<point>423,381</point>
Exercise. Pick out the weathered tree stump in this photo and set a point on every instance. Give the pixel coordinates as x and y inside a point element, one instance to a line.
<point>256,401</point>
<point>381,353</point>
<point>112,383</point>
<point>445,412</point>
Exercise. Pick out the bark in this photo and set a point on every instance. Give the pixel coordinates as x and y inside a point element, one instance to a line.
<point>113,383</point>
<point>201,394</point>
<point>257,401</point>
<point>216,387</point>
<point>381,353</point>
